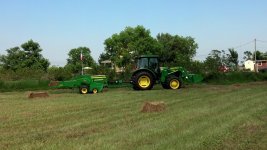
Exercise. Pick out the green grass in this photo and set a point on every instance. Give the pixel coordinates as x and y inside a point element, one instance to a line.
<point>196,117</point>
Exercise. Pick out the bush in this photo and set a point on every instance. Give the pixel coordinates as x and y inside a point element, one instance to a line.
<point>23,85</point>
<point>21,74</point>
<point>59,73</point>
<point>234,77</point>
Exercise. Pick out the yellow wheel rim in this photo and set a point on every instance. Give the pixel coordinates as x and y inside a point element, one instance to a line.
<point>144,81</point>
<point>94,91</point>
<point>84,90</point>
<point>174,84</point>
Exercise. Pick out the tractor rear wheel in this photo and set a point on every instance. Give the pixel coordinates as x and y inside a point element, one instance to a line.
<point>143,81</point>
<point>84,89</point>
<point>174,82</point>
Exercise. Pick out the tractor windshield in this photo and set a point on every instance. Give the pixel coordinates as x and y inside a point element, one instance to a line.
<point>142,63</point>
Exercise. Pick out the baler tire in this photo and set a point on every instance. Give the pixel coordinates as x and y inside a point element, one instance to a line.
<point>95,91</point>
<point>84,89</point>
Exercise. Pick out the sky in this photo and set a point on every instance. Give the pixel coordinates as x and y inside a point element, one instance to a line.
<point>61,25</point>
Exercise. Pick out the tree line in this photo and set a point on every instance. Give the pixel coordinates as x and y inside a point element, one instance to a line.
<point>121,49</point>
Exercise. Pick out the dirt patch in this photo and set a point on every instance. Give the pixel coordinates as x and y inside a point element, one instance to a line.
<point>153,106</point>
<point>79,134</point>
<point>4,118</point>
<point>53,83</point>
<point>243,137</point>
<point>76,135</point>
<point>38,95</point>
<point>27,114</point>
<point>236,85</point>
<point>249,129</point>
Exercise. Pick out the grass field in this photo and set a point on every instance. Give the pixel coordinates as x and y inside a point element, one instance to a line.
<point>196,117</point>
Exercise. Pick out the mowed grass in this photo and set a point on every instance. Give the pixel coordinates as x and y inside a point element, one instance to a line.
<point>196,117</point>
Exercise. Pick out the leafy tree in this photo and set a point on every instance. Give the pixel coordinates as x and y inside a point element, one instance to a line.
<point>260,55</point>
<point>33,56</point>
<point>74,62</point>
<point>233,57</point>
<point>177,50</point>
<point>28,57</point>
<point>247,55</point>
<point>13,60</point>
<point>103,57</point>
<point>197,67</point>
<point>218,58</point>
<point>123,47</point>
<point>213,61</point>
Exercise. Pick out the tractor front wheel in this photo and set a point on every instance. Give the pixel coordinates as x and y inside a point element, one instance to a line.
<point>174,82</point>
<point>143,81</point>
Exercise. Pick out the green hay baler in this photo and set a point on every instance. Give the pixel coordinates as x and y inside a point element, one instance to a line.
<point>85,83</point>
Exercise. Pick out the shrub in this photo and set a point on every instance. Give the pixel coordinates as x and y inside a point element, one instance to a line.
<point>234,77</point>
<point>59,73</point>
<point>23,85</point>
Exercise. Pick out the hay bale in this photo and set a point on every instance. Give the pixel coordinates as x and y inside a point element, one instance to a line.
<point>153,106</point>
<point>38,95</point>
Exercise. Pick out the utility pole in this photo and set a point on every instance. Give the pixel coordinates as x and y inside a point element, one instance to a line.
<point>81,57</point>
<point>256,66</point>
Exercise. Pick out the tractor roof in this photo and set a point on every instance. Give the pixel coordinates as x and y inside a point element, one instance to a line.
<point>148,56</point>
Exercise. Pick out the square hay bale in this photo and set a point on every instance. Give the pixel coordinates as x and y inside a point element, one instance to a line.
<point>153,106</point>
<point>38,95</point>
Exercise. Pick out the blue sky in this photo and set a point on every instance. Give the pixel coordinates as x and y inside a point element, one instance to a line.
<point>60,25</point>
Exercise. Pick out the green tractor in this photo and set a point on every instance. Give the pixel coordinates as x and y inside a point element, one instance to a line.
<point>148,73</point>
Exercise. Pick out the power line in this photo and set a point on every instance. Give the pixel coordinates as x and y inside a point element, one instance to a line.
<point>239,46</point>
<point>261,41</point>
<point>261,47</point>
<point>242,45</point>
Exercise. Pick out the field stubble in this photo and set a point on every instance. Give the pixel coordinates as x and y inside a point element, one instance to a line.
<point>196,117</point>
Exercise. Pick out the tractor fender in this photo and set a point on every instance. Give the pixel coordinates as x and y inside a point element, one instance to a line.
<point>166,74</point>
<point>144,70</point>
<point>176,73</point>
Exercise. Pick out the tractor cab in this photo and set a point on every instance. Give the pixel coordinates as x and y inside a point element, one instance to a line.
<point>150,62</point>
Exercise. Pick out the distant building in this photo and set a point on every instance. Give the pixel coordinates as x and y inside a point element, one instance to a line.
<point>261,65</point>
<point>109,64</point>
<point>249,65</point>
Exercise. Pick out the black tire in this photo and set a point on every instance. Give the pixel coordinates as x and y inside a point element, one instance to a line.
<point>135,87</point>
<point>165,86</point>
<point>143,77</point>
<point>174,82</point>
<point>84,89</point>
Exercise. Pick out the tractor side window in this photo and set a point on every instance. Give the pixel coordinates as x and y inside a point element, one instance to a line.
<point>143,63</point>
<point>153,64</point>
